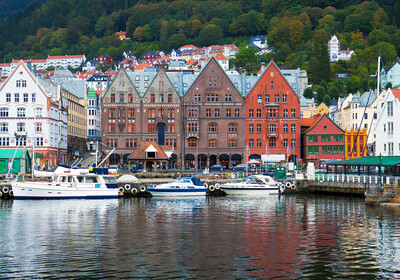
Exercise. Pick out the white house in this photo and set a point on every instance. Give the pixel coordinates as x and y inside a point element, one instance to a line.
<point>388,129</point>
<point>63,61</point>
<point>33,114</point>
<point>335,53</point>
<point>94,117</point>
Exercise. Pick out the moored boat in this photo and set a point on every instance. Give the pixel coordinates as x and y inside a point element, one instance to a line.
<point>183,186</point>
<point>260,185</point>
<point>70,184</point>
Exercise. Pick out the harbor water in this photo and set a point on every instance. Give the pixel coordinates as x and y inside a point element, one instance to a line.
<point>279,237</point>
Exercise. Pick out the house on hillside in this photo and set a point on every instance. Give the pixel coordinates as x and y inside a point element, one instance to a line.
<point>259,42</point>
<point>391,74</point>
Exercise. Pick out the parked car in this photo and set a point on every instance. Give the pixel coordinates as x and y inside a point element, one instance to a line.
<point>240,167</point>
<point>217,167</point>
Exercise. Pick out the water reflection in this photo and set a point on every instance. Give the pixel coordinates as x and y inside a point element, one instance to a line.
<point>279,237</point>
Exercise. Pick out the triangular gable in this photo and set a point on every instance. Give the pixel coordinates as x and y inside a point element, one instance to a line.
<point>121,83</point>
<point>139,152</point>
<point>339,130</point>
<point>151,148</point>
<point>161,84</point>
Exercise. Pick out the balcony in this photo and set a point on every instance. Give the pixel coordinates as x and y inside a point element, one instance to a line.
<point>191,134</point>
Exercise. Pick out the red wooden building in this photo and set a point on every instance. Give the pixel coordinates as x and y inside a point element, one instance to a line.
<point>323,141</point>
<point>272,117</point>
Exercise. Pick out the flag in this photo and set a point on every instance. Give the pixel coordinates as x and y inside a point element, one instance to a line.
<point>288,150</point>
<point>247,149</point>
<point>267,150</point>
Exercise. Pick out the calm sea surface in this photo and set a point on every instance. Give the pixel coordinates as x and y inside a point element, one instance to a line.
<point>280,237</point>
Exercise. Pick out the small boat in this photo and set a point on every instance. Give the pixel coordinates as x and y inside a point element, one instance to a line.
<point>260,185</point>
<point>183,186</point>
<point>72,183</point>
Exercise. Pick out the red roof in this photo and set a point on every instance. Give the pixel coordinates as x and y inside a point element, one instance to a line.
<point>220,56</point>
<point>309,122</point>
<point>65,56</point>
<point>188,46</point>
<point>31,60</point>
<point>396,93</point>
<point>166,58</point>
<point>140,151</point>
<point>121,33</point>
<point>5,64</point>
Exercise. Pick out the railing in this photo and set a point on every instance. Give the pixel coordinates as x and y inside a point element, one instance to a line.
<point>391,181</point>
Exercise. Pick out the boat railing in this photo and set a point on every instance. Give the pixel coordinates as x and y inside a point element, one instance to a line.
<point>387,180</point>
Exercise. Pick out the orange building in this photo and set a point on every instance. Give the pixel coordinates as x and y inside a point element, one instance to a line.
<point>355,146</point>
<point>272,117</point>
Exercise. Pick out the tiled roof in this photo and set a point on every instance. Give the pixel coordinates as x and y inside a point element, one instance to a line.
<point>220,56</point>
<point>396,93</point>
<point>140,151</point>
<point>65,56</point>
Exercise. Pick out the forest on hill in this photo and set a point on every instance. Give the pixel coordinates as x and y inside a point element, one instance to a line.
<point>297,30</point>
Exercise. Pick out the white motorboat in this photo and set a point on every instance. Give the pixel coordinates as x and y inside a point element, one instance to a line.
<point>260,185</point>
<point>70,184</point>
<point>183,186</point>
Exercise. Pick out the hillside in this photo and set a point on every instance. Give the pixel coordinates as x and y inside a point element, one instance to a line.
<point>298,30</point>
<point>7,6</point>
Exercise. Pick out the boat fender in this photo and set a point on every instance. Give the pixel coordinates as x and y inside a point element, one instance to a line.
<point>6,189</point>
<point>134,191</point>
<point>127,187</point>
<point>1,194</point>
<point>217,186</point>
<point>121,189</point>
<point>206,185</point>
<point>288,185</point>
<point>143,188</point>
<point>11,193</point>
<point>281,186</point>
<point>211,188</point>
<point>293,186</point>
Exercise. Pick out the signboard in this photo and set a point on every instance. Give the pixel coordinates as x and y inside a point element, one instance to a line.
<point>272,158</point>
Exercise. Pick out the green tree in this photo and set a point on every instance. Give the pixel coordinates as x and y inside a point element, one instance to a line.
<point>320,93</point>
<point>138,34</point>
<point>209,35</point>
<point>319,64</point>
<point>327,100</point>
<point>338,84</point>
<point>176,41</point>
<point>386,50</point>
<point>296,33</point>
<point>308,93</point>
<point>246,57</point>
<point>333,92</point>
<point>324,84</point>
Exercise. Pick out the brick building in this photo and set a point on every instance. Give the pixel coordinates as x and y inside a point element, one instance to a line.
<point>272,117</point>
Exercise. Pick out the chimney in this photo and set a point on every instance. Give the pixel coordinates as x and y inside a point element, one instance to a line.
<point>1,73</point>
<point>29,65</point>
<point>262,67</point>
<point>243,81</point>
<point>34,69</point>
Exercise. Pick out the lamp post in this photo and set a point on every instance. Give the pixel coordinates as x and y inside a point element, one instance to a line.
<point>380,171</point>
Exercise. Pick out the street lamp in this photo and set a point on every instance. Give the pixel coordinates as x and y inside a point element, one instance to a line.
<point>380,171</point>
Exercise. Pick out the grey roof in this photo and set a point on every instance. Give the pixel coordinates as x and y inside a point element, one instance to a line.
<point>364,101</point>
<point>177,63</point>
<point>141,80</point>
<point>63,73</point>
<point>75,87</point>
<point>304,101</point>
<point>249,82</point>
<point>48,86</point>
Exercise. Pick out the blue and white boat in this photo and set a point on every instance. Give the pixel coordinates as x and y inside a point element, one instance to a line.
<point>183,186</point>
<point>258,185</point>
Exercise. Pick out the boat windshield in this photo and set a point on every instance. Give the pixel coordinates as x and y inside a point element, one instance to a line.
<point>110,179</point>
<point>252,180</point>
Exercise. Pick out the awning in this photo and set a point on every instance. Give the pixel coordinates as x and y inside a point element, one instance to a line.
<point>236,157</point>
<point>189,156</point>
<point>369,161</point>
<point>223,157</point>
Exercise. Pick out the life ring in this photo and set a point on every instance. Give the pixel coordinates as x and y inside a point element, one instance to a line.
<point>134,191</point>
<point>143,188</point>
<point>121,189</point>
<point>293,186</point>
<point>127,187</point>
<point>6,189</point>
<point>288,185</point>
<point>281,186</point>
<point>217,186</point>
<point>11,193</point>
<point>211,188</point>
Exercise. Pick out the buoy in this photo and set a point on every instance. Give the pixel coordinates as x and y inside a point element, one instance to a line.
<point>133,191</point>
<point>217,186</point>
<point>6,189</point>
<point>127,187</point>
<point>211,188</point>
<point>293,186</point>
<point>142,188</point>
<point>11,193</point>
<point>121,189</point>
<point>288,185</point>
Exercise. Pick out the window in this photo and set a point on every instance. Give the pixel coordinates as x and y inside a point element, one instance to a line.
<point>112,142</point>
<point>152,98</point>
<point>3,127</point>
<point>39,112</point>
<point>21,141</point>
<point>266,98</point>
<point>251,128</point>
<point>197,98</point>
<point>169,98</point>
<point>312,138</point>
<point>332,149</point>
<point>272,142</point>
<point>272,128</point>
<point>285,128</point>
<point>18,83</point>
<point>313,150</point>
<point>365,116</point>
<point>325,138</point>
<point>285,143</point>
<point>192,112</point>
<point>192,127</point>
<point>121,98</point>
<point>228,113</point>
<point>237,113</point>
<point>20,127</point>
<point>151,113</point>
<point>276,98</point>
<point>251,112</point>
<point>212,143</point>
<point>112,98</point>
<point>251,143</point>
<point>293,128</point>
<point>111,127</point>
<point>192,142</point>
<point>208,113</point>
<point>131,128</point>
<point>131,113</point>
<point>212,98</point>
<point>293,143</point>
<point>16,97</point>
<point>258,113</point>
<point>272,85</point>
<point>258,143</point>
<point>232,128</point>
<point>152,127</point>
<point>390,128</point>
<point>26,98</point>
<point>171,113</point>
<point>293,113</point>
<point>232,143</point>
<point>284,98</point>
<point>216,113</point>
<point>212,128</point>
<point>130,98</point>
<point>259,98</point>
<point>111,113</point>
<point>258,128</point>
<point>38,127</point>
<point>390,108</point>
<point>4,112</point>
<point>285,113</point>
<point>39,141</point>
<point>33,97</point>
<point>161,98</point>
<point>228,97</point>
<point>171,127</point>
<point>130,143</point>
<point>21,112</point>
<point>8,97</point>
<point>338,138</point>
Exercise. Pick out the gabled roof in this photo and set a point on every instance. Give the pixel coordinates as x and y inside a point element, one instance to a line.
<point>140,151</point>
<point>220,56</point>
<point>396,93</point>
<point>319,119</point>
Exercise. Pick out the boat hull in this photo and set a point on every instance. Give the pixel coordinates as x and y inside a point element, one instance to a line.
<point>176,192</point>
<point>250,191</point>
<point>38,191</point>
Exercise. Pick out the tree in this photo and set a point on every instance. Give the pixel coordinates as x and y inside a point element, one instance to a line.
<point>308,93</point>
<point>327,100</point>
<point>333,92</point>
<point>209,35</point>
<point>388,85</point>
<point>319,64</point>
<point>176,41</point>
<point>380,18</point>
<point>386,50</point>
<point>338,84</point>
<point>320,93</point>
<point>324,84</point>
<point>138,34</point>
<point>246,57</point>
<point>296,33</point>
